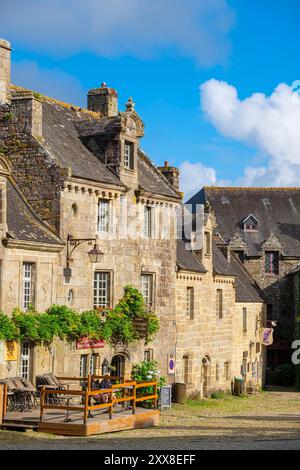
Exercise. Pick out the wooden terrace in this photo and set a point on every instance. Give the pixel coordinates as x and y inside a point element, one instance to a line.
<point>78,412</point>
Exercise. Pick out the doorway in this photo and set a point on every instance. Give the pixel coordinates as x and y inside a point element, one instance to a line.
<point>118,365</point>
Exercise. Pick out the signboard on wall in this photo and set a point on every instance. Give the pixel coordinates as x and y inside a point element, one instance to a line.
<point>86,343</point>
<point>267,338</point>
<point>10,351</point>
<point>171,364</point>
<point>165,397</point>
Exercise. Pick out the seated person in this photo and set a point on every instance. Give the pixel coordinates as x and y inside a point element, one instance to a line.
<point>106,383</point>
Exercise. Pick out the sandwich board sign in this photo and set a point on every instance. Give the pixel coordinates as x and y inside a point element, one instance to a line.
<point>166,397</point>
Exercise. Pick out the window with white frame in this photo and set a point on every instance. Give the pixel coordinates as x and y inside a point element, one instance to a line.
<point>94,364</point>
<point>83,367</point>
<point>147,289</point>
<point>147,222</point>
<point>190,303</point>
<point>28,285</point>
<point>103,215</point>
<point>128,155</point>
<point>102,283</point>
<point>25,361</point>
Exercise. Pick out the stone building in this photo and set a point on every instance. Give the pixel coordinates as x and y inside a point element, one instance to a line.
<point>84,176</point>
<point>261,225</point>
<point>220,316</point>
<point>74,178</point>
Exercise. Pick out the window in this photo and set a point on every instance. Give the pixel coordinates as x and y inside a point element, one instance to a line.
<point>25,361</point>
<point>220,303</point>
<point>250,224</point>
<point>74,210</point>
<point>94,364</point>
<point>217,373</point>
<point>147,222</point>
<point>128,155</point>
<point>271,262</point>
<point>245,315</point>
<point>190,303</point>
<point>185,360</point>
<point>207,243</point>
<point>148,355</point>
<point>28,285</point>
<point>83,367</point>
<point>102,289</point>
<point>147,289</point>
<point>257,350</point>
<point>226,371</point>
<point>70,297</point>
<point>241,255</point>
<point>103,215</point>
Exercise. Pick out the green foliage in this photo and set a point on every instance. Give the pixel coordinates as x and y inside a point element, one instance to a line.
<point>8,330</point>
<point>132,304</point>
<point>116,326</point>
<point>147,371</point>
<point>119,329</point>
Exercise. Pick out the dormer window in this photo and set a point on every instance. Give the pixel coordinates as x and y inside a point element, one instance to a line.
<point>129,155</point>
<point>250,224</point>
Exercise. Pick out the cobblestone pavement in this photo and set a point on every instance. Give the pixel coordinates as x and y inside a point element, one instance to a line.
<point>270,420</point>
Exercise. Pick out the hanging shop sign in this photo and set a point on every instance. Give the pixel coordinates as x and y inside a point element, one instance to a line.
<point>267,338</point>
<point>11,351</point>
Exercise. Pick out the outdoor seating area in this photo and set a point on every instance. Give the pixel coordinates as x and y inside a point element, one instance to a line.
<point>79,406</point>
<point>21,394</point>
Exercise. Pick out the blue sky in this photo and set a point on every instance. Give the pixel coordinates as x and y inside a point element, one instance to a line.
<point>161,57</point>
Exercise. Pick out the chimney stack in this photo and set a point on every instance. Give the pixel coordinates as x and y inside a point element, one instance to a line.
<point>103,100</point>
<point>5,64</point>
<point>171,173</point>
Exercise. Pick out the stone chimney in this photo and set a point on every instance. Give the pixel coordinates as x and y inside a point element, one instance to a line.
<point>172,175</point>
<point>5,64</point>
<point>28,112</point>
<point>103,100</point>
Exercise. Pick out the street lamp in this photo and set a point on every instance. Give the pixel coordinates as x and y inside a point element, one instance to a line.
<point>95,254</point>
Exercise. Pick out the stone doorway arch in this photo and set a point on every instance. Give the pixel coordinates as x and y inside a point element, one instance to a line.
<point>118,364</point>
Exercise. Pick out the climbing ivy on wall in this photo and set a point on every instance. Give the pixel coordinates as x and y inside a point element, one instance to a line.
<point>116,326</point>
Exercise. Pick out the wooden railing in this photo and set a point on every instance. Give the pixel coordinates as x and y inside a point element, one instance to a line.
<point>127,389</point>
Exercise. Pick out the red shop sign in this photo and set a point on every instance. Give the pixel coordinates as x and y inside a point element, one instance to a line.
<point>86,343</point>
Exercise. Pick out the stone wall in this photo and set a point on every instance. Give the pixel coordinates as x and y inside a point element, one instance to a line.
<point>36,172</point>
<point>206,336</point>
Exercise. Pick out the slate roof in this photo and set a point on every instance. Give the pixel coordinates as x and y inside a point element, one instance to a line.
<point>220,263</point>
<point>22,223</point>
<point>150,178</point>
<point>187,260</point>
<point>246,289</point>
<point>65,127</point>
<point>62,140</point>
<point>277,210</point>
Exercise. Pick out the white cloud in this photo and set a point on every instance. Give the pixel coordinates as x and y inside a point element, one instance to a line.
<point>50,82</point>
<point>195,175</point>
<point>143,28</point>
<point>270,124</point>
